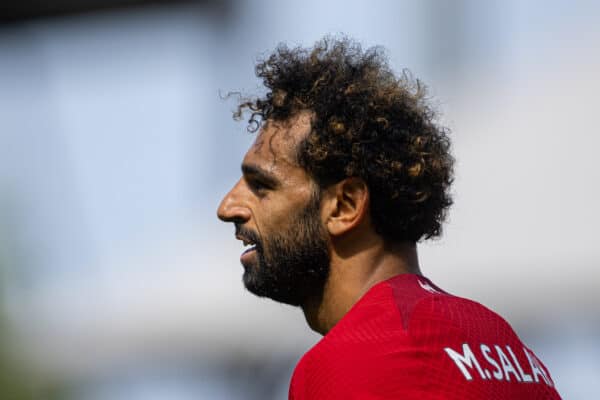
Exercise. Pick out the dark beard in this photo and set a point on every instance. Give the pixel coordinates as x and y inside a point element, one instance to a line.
<point>293,265</point>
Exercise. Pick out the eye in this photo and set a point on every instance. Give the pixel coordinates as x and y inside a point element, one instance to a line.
<point>258,186</point>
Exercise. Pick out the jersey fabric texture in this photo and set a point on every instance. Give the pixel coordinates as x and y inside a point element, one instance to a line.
<point>408,339</point>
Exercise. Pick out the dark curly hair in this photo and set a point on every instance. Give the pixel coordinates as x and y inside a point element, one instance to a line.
<point>367,123</point>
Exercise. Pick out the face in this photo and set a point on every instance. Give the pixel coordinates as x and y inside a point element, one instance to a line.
<point>275,209</point>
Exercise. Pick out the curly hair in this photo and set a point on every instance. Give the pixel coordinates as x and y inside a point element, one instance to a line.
<point>367,123</point>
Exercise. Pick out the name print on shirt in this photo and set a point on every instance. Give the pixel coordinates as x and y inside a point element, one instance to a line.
<point>499,363</point>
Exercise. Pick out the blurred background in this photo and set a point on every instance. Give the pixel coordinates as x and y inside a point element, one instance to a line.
<point>118,282</point>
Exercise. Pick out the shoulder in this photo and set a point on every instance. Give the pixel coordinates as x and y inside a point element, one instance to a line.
<point>408,338</point>
<point>468,344</point>
<point>378,334</point>
<point>428,311</point>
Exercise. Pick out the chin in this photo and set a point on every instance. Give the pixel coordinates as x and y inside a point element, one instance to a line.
<point>258,287</point>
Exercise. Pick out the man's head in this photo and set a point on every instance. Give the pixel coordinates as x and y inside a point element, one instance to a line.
<point>335,124</point>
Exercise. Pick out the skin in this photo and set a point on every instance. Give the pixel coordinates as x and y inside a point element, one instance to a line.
<point>360,258</point>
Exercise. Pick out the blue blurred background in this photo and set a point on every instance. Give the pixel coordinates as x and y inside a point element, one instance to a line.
<point>118,282</point>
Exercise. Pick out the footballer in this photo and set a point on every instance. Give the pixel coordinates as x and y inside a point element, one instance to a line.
<point>349,170</point>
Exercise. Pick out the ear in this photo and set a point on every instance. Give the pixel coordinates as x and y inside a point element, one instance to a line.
<point>346,205</point>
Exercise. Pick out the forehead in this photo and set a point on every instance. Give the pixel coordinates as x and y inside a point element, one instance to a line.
<point>275,147</point>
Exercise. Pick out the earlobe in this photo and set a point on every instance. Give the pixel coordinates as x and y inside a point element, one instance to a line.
<point>347,205</point>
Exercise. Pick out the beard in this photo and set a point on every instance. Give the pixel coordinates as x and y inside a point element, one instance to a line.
<point>292,265</point>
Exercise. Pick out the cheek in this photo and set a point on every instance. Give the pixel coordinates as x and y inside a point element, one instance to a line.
<point>268,217</point>
<point>279,207</point>
<point>271,220</point>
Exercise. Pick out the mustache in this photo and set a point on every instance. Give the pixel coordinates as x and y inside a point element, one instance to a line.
<point>248,234</point>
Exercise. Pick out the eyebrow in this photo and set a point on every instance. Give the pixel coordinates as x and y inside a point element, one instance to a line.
<point>260,173</point>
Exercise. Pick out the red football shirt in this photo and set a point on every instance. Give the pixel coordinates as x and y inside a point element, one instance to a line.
<point>408,339</point>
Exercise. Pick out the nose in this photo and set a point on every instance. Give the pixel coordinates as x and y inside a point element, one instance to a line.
<point>233,207</point>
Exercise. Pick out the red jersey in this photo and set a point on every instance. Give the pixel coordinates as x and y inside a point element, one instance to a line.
<point>408,339</point>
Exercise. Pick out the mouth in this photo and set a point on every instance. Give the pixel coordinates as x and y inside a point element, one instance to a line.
<point>249,245</point>
<point>249,249</point>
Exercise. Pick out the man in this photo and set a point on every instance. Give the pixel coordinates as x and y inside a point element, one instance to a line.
<point>347,173</point>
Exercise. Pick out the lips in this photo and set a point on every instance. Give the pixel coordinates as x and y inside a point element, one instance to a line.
<point>249,249</point>
<point>250,241</point>
<point>247,242</point>
<point>248,257</point>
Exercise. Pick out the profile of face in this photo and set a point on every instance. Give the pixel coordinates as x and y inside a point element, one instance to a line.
<point>275,207</point>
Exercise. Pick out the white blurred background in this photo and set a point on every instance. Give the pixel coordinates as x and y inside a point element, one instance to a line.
<point>117,280</point>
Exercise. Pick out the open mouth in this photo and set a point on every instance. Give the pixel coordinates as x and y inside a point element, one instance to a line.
<point>249,249</point>
<point>250,245</point>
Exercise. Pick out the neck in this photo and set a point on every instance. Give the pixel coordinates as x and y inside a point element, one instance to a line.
<point>353,271</point>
